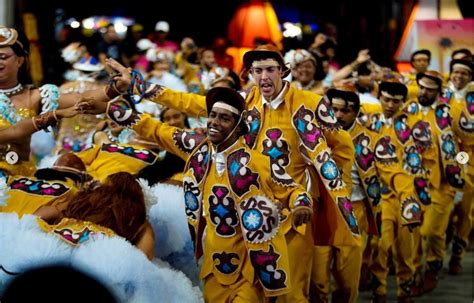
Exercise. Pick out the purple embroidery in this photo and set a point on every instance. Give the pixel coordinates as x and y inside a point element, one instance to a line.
<point>443,117</point>
<point>402,129</point>
<point>240,176</point>
<point>265,264</point>
<point>187,140</point>
<point>199,162</point>
<point>364,155</point>
<point>345,206</point>
<point>144,155</point>
<point>422,190</point>
<point>222,212</point>
<point>39,187</point>
<point>254,121</point>
<point>224,262</point>
<point>275,147</point>
<point>309,132</point>
<point>385,151</point>
<point>325,115</point>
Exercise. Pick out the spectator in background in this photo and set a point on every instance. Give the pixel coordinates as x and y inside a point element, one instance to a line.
<point>222,58</point>
<point>109,46</point>
<point>131,48</point>
<point>159,36</point>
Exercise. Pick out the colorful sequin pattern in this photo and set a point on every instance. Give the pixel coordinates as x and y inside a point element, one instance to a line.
<point>187,140</point>
<point>328,171</point>
<point>278,150</point>
<point>309,132</point>
<point>222,212</point>
<point>254,121</point>
<point>265,264</point>
<point>240,176</point>
<point>325,115</point>
<point>144,155</point>
<point>345,206</point>
<point>199,162</point>
<point>402,130</point>
<point>39,187</point>
<point>260,219</point>
<point>385,151</point>
<point>364,155</point>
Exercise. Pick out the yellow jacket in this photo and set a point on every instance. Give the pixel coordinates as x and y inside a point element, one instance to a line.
<point>109,158</point>
<point>240,206</point>
<point>28,194</point>
<point>299,134</point>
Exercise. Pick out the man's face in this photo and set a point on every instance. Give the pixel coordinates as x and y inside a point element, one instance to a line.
<point>390,106</point>
<point>426,94</point>
<point>460,77</point>
<point>208,60</point>
<point>174,118</point>
<point>421,63</point>
<point>345,115</point>
<point>220,124</point>
<point>305,71</point>
<point>268,78</point>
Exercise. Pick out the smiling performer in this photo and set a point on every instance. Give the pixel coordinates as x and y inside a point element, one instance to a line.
<point>297,130</point>
<point>228,190</point>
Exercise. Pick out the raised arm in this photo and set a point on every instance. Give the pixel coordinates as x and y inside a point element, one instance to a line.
<point>27,127</point>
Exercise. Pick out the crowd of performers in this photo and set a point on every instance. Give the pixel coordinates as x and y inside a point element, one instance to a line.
<point>276,185</point>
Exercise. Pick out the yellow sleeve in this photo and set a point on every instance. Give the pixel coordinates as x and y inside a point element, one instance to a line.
<point>175,140</point>
<point>187,103</point>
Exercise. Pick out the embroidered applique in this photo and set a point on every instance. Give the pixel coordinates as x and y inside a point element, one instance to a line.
<point>421,132</point>
<point>412,160</point>
<point>411,108</point>
<point>122,113</point>
<point>199,162</point>
<point>345,207</point>
<point>453,174</point>
<point>240,176</point>
<point>385,151</point>
<point>254,121</point>
<point>260,219</point>
<point>192,198</point>
<point>144,155</point>
<point>373,189</point>
<point>222,212</point>
<point>309,133</point>
<point>448,146</point>
<point>470,102</point>
<point>226,263</point>
<point>74,237</point>
<point>275,147</point>
<point>303,200</point>
<point>186,141</point>
<point>325,115</point>
<point>466,124</point>
<point>443,117</point>
<point>39,187</point>
<point>422,190</point>
<point>402,130</point>
<point>265,264</point>
<point>364,155</point>
<point>328,171</point>
<point>375,123</point>
<point>49,98</point>
<point>411,211</point>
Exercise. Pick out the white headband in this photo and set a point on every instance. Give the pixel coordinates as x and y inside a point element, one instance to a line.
<point>223,105</point>
<point>342,102</point>
<point>425,84</point>
<point>266,62</point>
<point>464,66</point>
<point>388,95</point>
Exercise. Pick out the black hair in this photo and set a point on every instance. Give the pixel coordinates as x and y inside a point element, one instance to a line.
<point>22,50</point>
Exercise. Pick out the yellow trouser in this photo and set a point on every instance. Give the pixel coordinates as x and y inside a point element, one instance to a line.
<point>346,262</point>
<point>399,240</point>
<point>417,255</point>
<point>242,291</point>
<point>463,223</point>
<point>300,252</point>
<point>435,223</point>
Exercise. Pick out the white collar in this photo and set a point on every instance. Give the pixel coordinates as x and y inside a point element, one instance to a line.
<point>458,93</point>
<point>386,121</point>
<point>426,109</point>
<point>275,103</point>
<point>219,158</point>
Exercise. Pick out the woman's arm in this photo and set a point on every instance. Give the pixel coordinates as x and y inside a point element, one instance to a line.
<point>146,241</point>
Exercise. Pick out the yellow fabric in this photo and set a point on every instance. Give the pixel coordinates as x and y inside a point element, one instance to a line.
<point>242,291</point>
<point>410,82</point>
<point>75,232</point>
<point>107,159</point>
<point>300,260</point>
<point>329,222</point>
<point>435,222</point>
<point>206,186</point>
<point>28,194</point>
<point>346,262</point>
<point>399,240</point>
<point>463,213</point>
<point>370,108</point>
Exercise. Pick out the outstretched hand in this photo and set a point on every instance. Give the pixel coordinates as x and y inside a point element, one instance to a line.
<point>70,112</point>
<point>123,76</point>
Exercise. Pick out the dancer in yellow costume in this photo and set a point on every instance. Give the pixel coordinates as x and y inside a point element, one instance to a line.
<point>298,132</point>
<point>376,159</point>
<point>19,101</point>
<point>420,61</point>
<point>431,122</point>
<point>396,227</point>
<point>460,96</point>
<point>49,186</point>
<point>228,190</point>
